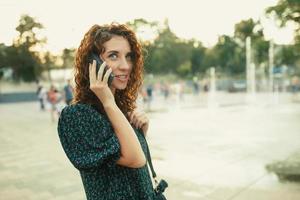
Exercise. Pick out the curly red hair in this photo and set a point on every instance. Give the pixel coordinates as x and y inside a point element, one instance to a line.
<point>93,41</point>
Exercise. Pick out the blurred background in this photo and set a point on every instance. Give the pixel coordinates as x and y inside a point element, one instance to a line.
<point>221,90</point>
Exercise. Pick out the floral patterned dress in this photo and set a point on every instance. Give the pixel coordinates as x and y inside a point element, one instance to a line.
<point>91,145</point>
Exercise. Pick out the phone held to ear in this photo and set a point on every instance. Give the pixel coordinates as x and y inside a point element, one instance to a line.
<point>99,62</point>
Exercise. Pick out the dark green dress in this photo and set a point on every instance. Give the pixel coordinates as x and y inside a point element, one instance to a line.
<point>91,145</point>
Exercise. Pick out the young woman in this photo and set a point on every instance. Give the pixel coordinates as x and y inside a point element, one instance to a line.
<point>101,132</point>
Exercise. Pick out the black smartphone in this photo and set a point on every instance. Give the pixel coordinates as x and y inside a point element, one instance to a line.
<point>99,62</point>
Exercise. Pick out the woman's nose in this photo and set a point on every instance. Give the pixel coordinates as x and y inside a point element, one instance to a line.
<point>124,64</point>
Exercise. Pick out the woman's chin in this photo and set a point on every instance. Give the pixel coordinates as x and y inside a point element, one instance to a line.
<point>120,86</point>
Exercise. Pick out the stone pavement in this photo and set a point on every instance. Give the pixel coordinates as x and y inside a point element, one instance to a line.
<point>205,152</point>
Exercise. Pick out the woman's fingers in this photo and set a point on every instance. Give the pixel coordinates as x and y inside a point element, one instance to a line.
<point>144,121</point>
<point>134,120</point>
<point>106,75</point>
<point>98,77</point>
<point>135,117</point>
<point>138,119</point>
<point>145,128</point>
<point>131,115</point>
<point>101,70</point>
<point>92,72</point>
<point>140,123</point>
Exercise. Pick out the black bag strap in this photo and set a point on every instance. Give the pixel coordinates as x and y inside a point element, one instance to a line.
<point>148,155</point>
<point>162,185</point>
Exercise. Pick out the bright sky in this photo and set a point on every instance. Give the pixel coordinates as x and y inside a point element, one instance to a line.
<point>66,21</point>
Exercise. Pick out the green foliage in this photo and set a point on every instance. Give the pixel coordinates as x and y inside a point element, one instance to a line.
<point>228,55</point>
<point>136,24</point>
<point>68,56</point>
<point>261,50</point>
<point>3,56</point>
<point>244,29</point>
<point>166,53</point>
<point>286,55</point>
<point>285,11</point>
<point>253,29</point>
<point>184,69</point>
<point>20,56</point>
<point>288,11</point>
<point>27,32</point>
<point>197,59</point>
<point>170,54</point>
<point>24,63</point>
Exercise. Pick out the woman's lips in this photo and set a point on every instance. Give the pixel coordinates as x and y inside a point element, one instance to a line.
<point>122,77</point>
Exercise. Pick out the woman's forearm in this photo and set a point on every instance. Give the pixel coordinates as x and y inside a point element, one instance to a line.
<point>131,151</point>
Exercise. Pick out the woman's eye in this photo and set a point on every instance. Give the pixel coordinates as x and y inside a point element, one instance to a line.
<point>113,56</point>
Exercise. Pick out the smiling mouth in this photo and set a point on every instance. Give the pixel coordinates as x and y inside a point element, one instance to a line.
<point>122,77</point>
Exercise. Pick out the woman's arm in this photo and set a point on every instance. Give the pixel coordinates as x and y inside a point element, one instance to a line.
<point>132,154</point>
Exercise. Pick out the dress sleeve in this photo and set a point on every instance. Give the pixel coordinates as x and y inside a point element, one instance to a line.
<point>87,137</point>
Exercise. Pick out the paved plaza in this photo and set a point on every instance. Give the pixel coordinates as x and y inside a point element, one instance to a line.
<point>206,149</point>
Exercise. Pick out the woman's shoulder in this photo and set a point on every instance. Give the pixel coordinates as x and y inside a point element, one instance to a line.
<point>81,110</point>
<point>82,115</point>
<point>79,107</point>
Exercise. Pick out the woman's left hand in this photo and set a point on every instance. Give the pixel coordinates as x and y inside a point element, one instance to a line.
<point>139,119</point>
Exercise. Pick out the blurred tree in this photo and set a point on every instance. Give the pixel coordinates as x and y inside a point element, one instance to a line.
<point>23,63</point>
<point>248,28</point>
<point>254,30</point>
<point>168,53</point>
<point>27,32</point>
<point>197,58</point>
<point>2,55</point>
<point>139,25</point>
<point>3,62</point>
<point>164,58</point>
<point>229,55</point>
<point>184,69</point>
<point>210,59</point>
<point>68,56</point>
<point>288,11</point>
<point>286,55</point>
<point>22,58</point>
<point>48,64</point>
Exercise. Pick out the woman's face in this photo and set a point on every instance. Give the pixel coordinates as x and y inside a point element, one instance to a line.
<point>118,56</point>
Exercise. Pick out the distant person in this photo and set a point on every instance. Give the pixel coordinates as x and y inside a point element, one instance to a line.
<point>42,96</point>
<point>206,87</point>
<point>149,91</point>
<point>181,90</point>
<point>102,132</point>
<point>295,82</point>
<point>68,92</point>
<point>166,90</point>
<point>143,95</point>
<point>53,99</point>
<point>196,87</point>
